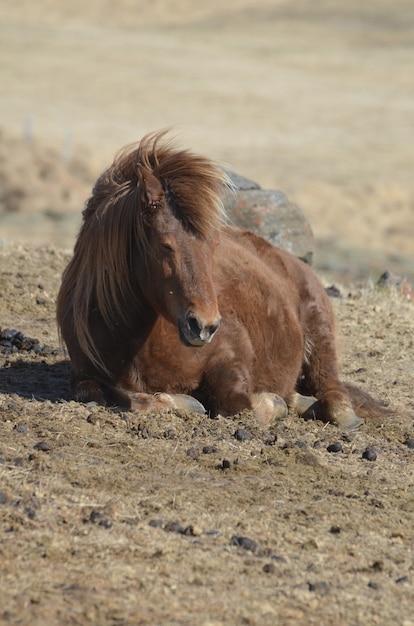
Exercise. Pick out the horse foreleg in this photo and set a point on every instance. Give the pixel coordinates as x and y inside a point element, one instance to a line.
<point>107,395</point>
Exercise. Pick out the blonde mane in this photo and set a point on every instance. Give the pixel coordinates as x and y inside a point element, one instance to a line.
<point>99,273</point>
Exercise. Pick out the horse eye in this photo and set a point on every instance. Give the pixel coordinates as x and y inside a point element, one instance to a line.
<point>167,247</point>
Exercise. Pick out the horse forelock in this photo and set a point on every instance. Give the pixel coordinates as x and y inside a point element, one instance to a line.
<point>99,274</point>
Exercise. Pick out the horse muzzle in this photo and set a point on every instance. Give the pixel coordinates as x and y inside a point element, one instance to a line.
<point>194,332</point>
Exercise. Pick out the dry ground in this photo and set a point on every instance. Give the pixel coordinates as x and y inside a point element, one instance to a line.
<point>119,518</point>
<point>115,518</point>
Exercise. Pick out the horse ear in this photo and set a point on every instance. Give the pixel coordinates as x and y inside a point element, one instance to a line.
<point>151,187</point>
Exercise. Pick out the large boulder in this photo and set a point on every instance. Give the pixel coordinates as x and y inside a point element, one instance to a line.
<point>270,214</point>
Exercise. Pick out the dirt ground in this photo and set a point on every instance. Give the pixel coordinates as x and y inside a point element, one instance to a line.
<point>122,518</point>
<point>170,519</point>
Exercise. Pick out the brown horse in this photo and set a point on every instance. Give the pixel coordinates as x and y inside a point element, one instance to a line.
<point>163,306</point>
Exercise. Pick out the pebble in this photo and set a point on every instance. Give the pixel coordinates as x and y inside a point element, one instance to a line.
<point>319,587</point>
<point>225,464</point>
<point>333,292</point>
<point>244,542</point>
<point>242,435</point>
<point>409,443</point>
<point>334,447</point>
<point>96,517</point>
<point>210,449</point>
<point>369,455</point>
<point>12,340</point>
<point>402,579</point>
<point>269,568</point>
<point>3,498</point>
<point>44,446</point>
<point>193,453</point>
<point>21,427</point>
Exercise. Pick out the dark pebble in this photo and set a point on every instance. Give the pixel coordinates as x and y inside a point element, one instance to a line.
<point>44,446</point>
<point>188,531</point>
<point>225,464</point>
<point>319,587</point>
<point>269,568</point>
<point>96,517</point>
<point>301,444</point>
<point>244,542</point>
<point>335,530</point>
<point>333,292</point>
<point>402,579</point>
<point>334,447</point>
<point>21,427</point>
<point>210,449</point>
<point>243,435</point>
<point>155,523</point>
<point>278,558</point>
<point>174,527</point>
<point>369,455</point>
<point>170,434</point>
<point>372,585</point>
<point>409,443</point>
<point>3,498</point>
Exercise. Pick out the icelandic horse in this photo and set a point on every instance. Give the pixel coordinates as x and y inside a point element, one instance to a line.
<point>164,306</point>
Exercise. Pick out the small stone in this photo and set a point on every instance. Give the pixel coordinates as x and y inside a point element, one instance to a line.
<point>244,542</point>
<point>333,292</point>
<point>210,449</point>
<point>242,435</point>
<point>92,419</point>
<point>3,498</point>
<point>369,455</point>
<point>372,585</point>
<point>335,530</point>
<point>269,568</point>
<point>409,443</point>
<point>334,447</point>
<point>96,517</point>
<point>174,527</point>
<point>225,464</point>
<point>402,579</point>
<point>321,588</point>
<point>155,523</point>
<point>21,427</point>
<point>43,446</point>
<point>301,444</point>
<point>193,453</point>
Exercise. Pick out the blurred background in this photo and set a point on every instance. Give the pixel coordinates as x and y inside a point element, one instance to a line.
<point>311,97</point>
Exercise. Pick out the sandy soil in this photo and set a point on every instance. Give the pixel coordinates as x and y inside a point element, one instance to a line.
<point>123,519</point>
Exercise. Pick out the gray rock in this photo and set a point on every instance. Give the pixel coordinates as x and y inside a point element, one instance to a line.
<point>269,214</point>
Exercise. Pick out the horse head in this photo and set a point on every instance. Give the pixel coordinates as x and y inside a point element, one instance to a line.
<point>178,277</point>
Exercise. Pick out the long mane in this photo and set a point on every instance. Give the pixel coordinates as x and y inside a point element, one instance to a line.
<point>99,273</point>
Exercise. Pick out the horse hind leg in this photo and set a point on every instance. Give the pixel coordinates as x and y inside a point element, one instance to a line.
<point>336,409</point>
<point>321,377</point>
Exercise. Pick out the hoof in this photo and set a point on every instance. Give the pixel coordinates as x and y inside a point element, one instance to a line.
<point>268,408</point>
<point>346,418</point>
<point>343,415</point>
<point>301,404</point>
<point>185,403</point>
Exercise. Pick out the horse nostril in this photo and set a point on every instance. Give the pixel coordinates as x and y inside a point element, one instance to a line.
<point>193,325</point>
